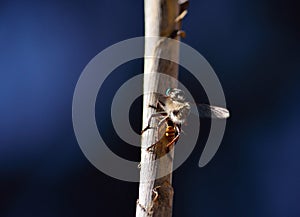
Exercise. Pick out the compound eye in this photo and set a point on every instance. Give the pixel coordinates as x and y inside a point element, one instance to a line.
<point>168,91</point>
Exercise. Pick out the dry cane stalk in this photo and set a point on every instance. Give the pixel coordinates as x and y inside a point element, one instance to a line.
<point>162,18</point>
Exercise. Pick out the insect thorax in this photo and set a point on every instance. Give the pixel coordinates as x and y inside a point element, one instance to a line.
<point>179,114</point>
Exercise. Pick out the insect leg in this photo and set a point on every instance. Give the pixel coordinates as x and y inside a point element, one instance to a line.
<point>153,106</point>
<point>149,122</point>
<point>161,105</point>
<point>173,141</point>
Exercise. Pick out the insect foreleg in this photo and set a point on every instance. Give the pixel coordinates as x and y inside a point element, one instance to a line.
<point>161,105</point>
<point>158,114</point>
<point>153,106</point>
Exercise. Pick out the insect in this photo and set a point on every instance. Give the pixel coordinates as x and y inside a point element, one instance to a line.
<point>173,110</point>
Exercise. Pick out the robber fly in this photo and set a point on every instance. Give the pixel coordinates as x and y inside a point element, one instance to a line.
<point>174,110</point>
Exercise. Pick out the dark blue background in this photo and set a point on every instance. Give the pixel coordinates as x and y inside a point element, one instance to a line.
<point>253,47</point>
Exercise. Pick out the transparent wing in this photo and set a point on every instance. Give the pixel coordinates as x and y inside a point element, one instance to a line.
<point>209,111</point>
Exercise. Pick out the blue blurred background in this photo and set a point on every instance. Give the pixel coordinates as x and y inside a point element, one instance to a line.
<point>253,47</point>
